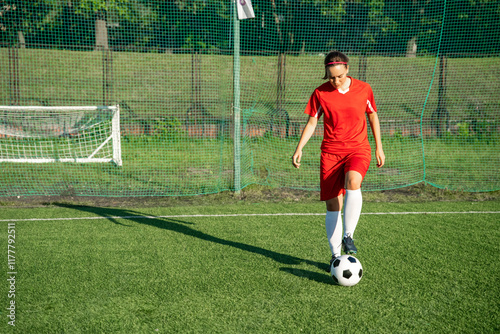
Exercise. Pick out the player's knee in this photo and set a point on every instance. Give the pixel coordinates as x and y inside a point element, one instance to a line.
<point>353,180</point>
<point>353,184</point>
<point>334,204</point>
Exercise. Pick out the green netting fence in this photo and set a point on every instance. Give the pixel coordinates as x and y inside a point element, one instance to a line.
<point>210,103</point>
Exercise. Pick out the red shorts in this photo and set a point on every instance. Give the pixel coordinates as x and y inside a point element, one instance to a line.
<point>333,170</point>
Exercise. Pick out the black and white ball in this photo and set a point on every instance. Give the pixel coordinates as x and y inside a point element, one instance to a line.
<point>346,270</point>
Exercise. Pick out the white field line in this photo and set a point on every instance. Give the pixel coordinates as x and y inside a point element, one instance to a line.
<point>245,215</point>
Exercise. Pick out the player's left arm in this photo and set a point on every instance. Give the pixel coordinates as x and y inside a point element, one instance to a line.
<point>379,151</point>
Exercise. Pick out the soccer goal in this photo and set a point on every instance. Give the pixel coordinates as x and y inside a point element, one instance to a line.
<point>31,134</point>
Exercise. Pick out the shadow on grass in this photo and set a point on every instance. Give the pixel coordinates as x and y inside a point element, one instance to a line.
<point>183,227</point>
<point>311,275</point>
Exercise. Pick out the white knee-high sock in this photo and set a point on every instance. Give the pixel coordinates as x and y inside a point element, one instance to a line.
<point>352,210</point>
<point>333,224</point>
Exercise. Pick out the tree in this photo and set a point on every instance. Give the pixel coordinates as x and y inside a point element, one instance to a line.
<point>400,26</point>
<point>19,18</point>
<point>408,17</point>
<point>471,27</point>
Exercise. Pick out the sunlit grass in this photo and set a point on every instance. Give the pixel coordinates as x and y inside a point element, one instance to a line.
<point>261,274</point>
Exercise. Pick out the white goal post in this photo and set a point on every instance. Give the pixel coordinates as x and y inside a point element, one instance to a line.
<point>35,134</point>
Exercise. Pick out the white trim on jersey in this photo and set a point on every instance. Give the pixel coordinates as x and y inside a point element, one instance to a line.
<point>317,112</point>
<point>370,106</point>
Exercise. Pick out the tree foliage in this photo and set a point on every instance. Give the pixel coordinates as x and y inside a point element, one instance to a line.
<point>280,25</point>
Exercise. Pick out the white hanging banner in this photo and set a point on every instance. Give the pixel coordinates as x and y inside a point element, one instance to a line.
<point>245,10</point>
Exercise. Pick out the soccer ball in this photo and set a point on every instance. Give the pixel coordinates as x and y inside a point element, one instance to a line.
<point>346,270</point>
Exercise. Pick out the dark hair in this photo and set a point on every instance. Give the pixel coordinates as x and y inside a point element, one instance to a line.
<point>335,57</point>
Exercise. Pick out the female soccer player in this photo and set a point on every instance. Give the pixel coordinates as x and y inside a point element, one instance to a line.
<point>345,150</point>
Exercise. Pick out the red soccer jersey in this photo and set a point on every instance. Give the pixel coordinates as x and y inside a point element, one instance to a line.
<point>345,128</point>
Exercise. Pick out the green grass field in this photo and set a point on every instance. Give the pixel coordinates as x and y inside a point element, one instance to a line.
<point>157,167</point>
<point>157,90</point>
<point>81,269</point>
<point>161,84</point>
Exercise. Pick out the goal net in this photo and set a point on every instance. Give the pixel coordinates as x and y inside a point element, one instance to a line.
<point>32,134</point>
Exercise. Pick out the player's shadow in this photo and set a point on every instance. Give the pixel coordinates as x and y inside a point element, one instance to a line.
<point>311,275</point>
<point>183,227</point>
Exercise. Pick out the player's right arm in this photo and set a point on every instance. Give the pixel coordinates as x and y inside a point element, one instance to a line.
<point>304,138</point>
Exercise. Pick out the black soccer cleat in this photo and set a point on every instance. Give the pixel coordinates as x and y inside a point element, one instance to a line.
<point>331,261</point>
<point>349,247</point>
